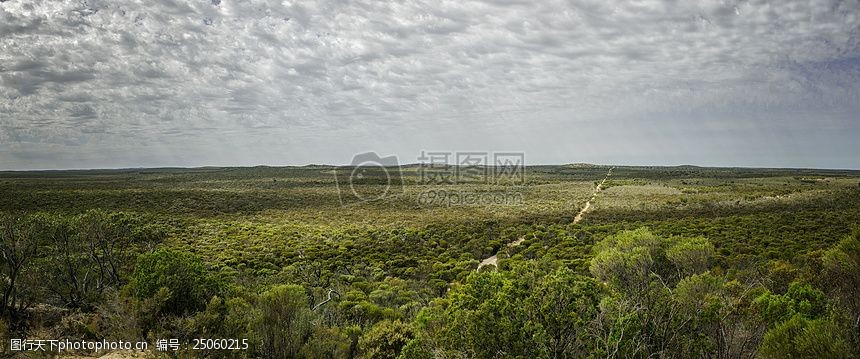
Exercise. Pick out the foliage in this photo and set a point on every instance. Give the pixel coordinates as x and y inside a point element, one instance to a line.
<point>670,261</point>
<point>523,313</point>
<point>799,337</point>
<point>801,299</point>
<point>385,340</point>
<point>283,323</point>
<point>841,275</point>
<point>182,276</point>
<point>19,245</point>
<point>663,301</point>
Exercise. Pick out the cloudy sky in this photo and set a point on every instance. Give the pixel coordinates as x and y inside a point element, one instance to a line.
<point>97,83</point>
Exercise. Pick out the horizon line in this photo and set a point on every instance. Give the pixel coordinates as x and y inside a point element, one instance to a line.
<point>414,164</point>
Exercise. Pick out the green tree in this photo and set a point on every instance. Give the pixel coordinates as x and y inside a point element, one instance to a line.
<point>91,253</point>
<point>189,285</point>
<point>523,312</point>
<point>799,337</point>
<point>629,259</point>
<point>417,348</point>
<point>385,340</point>
<point>721,319</point>
<point>21,241</point>
<point>691,255</point>
<point>841,277</point>
<point>326,343</point>
<point>284,321</point>
<point>564,304</point>
<point>662,301</point>
<point>482,318</point>
<point>800,299</point>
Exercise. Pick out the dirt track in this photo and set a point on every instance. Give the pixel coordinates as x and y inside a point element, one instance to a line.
<point>593,196</point>
<point>495,258</point>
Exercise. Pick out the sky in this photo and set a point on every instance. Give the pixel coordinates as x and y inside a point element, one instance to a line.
<point>117,84</point>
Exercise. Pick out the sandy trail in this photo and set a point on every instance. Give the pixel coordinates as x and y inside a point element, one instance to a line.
<point>593,196</point>
<point>495,258</point>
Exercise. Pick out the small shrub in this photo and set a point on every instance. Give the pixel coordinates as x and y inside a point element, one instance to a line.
<point>182,274</point>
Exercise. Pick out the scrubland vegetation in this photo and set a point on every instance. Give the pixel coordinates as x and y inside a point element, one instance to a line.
<point>670,262</point>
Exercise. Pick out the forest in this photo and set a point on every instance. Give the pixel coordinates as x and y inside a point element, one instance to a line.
<point>269,262</point>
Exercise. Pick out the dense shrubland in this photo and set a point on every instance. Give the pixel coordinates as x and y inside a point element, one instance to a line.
<point>697,263</point>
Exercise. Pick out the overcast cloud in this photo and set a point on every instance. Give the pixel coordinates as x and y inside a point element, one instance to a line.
<point>95,83</point>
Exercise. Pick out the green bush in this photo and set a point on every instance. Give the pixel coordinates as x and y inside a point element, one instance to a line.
<point>385,340</point>
<point>800,299</point>
<point>799,337</point>
<point>284,321</point>
<point>182,274</point>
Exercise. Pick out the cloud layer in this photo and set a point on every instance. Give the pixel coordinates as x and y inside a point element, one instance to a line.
<point>102,83</point>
